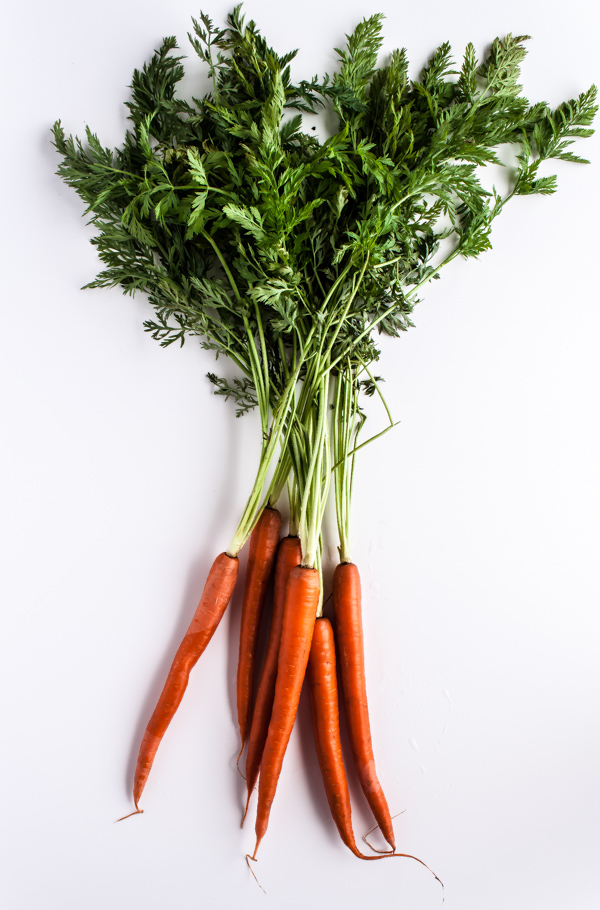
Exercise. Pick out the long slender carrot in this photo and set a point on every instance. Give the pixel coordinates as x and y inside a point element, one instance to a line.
<point>322,680</point>
<point>215,597</point>
<point>289,555</point>
<point>301,602</point>
<point>263,547</point>
<point>349,633</point>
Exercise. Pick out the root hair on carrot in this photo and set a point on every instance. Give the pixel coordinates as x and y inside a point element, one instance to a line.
<point>416,859</point>
<point>254,860</point>
<point>123,817</point>
<point>370,845</point>
<point>237,762</point>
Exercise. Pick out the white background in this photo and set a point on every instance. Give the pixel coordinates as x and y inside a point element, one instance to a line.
<point>475,526</point>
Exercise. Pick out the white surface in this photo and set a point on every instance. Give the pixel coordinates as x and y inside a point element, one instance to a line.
<point>476,528</point>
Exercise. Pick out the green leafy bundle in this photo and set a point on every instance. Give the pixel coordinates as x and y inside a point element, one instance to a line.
<point>254,236</point>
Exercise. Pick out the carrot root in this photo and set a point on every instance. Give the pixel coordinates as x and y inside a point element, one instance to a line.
<point>301,603</point>
<point>254,860</point>
<point>374,828</point>
<point>137,812</point>
<point>237,763</point>
<point>213,602</point>
<point>263,548</point>
<point>349,634</point>
<point>289,555</point>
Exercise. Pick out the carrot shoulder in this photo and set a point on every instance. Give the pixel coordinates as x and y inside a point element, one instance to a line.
<point>215,597</point>
<point>349,633</point>
<point>289,555</point>
<point>263,548</point>
<point>301,603</point>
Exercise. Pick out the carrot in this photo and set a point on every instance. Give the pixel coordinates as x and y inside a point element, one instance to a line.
<point>215,597</point>
<point>301,602</point>
<point>322,680</point>
<point>289,555</point>
<point>348,623</point>
<point>263,547</point>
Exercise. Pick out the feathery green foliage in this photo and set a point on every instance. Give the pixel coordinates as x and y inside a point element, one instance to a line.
<point>290,254</point>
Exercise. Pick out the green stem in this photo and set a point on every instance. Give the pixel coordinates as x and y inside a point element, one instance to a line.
<point>313,504</point>
<point>221,259</point>
<point>390,310</point>
<point>255,505</point>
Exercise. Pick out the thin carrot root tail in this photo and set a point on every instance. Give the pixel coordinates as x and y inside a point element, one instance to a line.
<point>254,860</point>
<point>237,761</point>
<point>417,860</point>
<point>395,855</point>
<point>374,849</point>
<point>350,640</point>
<point>370,845</point>
<point>138,811</point>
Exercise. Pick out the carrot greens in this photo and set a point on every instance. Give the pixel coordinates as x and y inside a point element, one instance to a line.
<point>291,255</point>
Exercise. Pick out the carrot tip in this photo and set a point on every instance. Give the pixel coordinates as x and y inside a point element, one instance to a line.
<point>391,843</point>
<point>245,811</point>
<point>254,860</point>
<point>137,812</point>
<point>374,849</point>
<point>429,869</point>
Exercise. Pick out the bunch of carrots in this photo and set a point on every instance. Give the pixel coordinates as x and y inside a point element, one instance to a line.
<point>289,255</point>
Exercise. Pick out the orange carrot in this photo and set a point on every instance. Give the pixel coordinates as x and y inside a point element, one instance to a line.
<point>263,547</point>
<point>301,602</point>
<point>348,627</point>
<point>215,597</point>
<point>322,681</point>
<point>289,555</point>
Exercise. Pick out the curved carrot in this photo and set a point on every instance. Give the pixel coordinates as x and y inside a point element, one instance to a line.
<point>215,597</point>
<point>322,680</point>
<point>348,627</point>
<point>301,602</point>
<point>289,555</point>
<point>263,547</point>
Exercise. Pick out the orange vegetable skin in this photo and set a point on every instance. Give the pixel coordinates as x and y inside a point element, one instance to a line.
<point>215,597</point>
<point>301,603</point>
<point>349,634</point>
<point>289,555</point>
<point>326,724</point>
<point>263,548</point>
<point>322,681</point>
